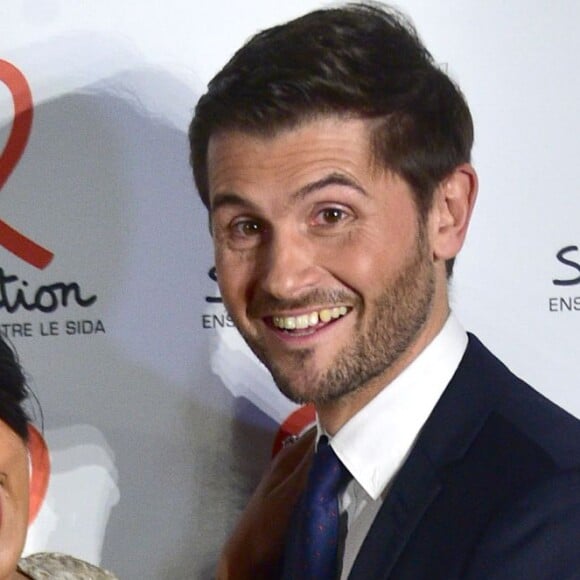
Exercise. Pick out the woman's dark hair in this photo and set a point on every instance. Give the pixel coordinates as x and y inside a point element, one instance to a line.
<point>13,391</point>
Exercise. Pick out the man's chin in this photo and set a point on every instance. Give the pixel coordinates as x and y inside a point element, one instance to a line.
<point>308,385</point>
<point>304,393</point>
<point>299,390</point>
<point>298,394</point>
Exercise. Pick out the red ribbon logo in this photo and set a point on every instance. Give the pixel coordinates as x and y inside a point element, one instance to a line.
<point>10,238</point>
<point>293,426</point>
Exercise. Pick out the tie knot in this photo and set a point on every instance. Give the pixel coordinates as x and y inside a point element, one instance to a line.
<point>327,472</point>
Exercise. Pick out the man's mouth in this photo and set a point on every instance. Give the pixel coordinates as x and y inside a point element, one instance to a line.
<point>310,319</point>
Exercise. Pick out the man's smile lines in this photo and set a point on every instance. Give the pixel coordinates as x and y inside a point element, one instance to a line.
<point>309,320</point>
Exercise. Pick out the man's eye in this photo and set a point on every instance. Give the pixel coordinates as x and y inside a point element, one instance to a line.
<point>247,228</point>
<point>331,215</point>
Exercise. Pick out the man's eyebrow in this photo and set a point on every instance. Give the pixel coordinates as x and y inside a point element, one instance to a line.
<point>233,199</point>
<point>330,179</point>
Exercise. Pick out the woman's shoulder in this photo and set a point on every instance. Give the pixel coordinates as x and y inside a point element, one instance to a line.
<point>61,567</point>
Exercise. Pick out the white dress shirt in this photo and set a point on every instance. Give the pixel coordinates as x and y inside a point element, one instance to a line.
<point>376,441</point>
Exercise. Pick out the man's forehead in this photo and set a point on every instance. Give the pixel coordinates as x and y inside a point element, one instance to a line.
<point>321,139</point>
<point>285,165</point>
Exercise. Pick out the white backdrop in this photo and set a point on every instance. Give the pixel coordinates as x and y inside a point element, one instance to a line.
<point>158,420</point>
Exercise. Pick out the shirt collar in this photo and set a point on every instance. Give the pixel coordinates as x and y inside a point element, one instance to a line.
<point>375,442</point>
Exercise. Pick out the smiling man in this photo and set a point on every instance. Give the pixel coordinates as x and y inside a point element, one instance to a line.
<point>333,156</point>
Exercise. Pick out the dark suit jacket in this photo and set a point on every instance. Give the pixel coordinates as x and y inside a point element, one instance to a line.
<point>491,490</point>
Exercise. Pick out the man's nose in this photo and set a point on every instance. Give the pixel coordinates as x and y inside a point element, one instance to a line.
<point>290,265</point>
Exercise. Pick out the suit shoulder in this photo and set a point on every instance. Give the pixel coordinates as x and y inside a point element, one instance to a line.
<point>535,535</point>
<point>553,430</point>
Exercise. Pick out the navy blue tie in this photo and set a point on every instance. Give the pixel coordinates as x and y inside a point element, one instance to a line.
<point>312,545</point>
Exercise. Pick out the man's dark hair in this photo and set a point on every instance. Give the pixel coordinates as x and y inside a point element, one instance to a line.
<point>360,60</point>
<point>13,392</point>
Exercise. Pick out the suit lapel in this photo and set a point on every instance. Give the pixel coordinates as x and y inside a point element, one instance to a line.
<point>446,436</point>
<point>406,502</point>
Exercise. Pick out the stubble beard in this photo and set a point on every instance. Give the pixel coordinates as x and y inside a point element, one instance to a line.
<point>395,320</point>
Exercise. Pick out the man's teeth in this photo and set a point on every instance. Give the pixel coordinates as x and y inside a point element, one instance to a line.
<point>307,320</point>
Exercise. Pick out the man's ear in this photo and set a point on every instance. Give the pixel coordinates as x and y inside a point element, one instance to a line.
<point>453,203</point>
